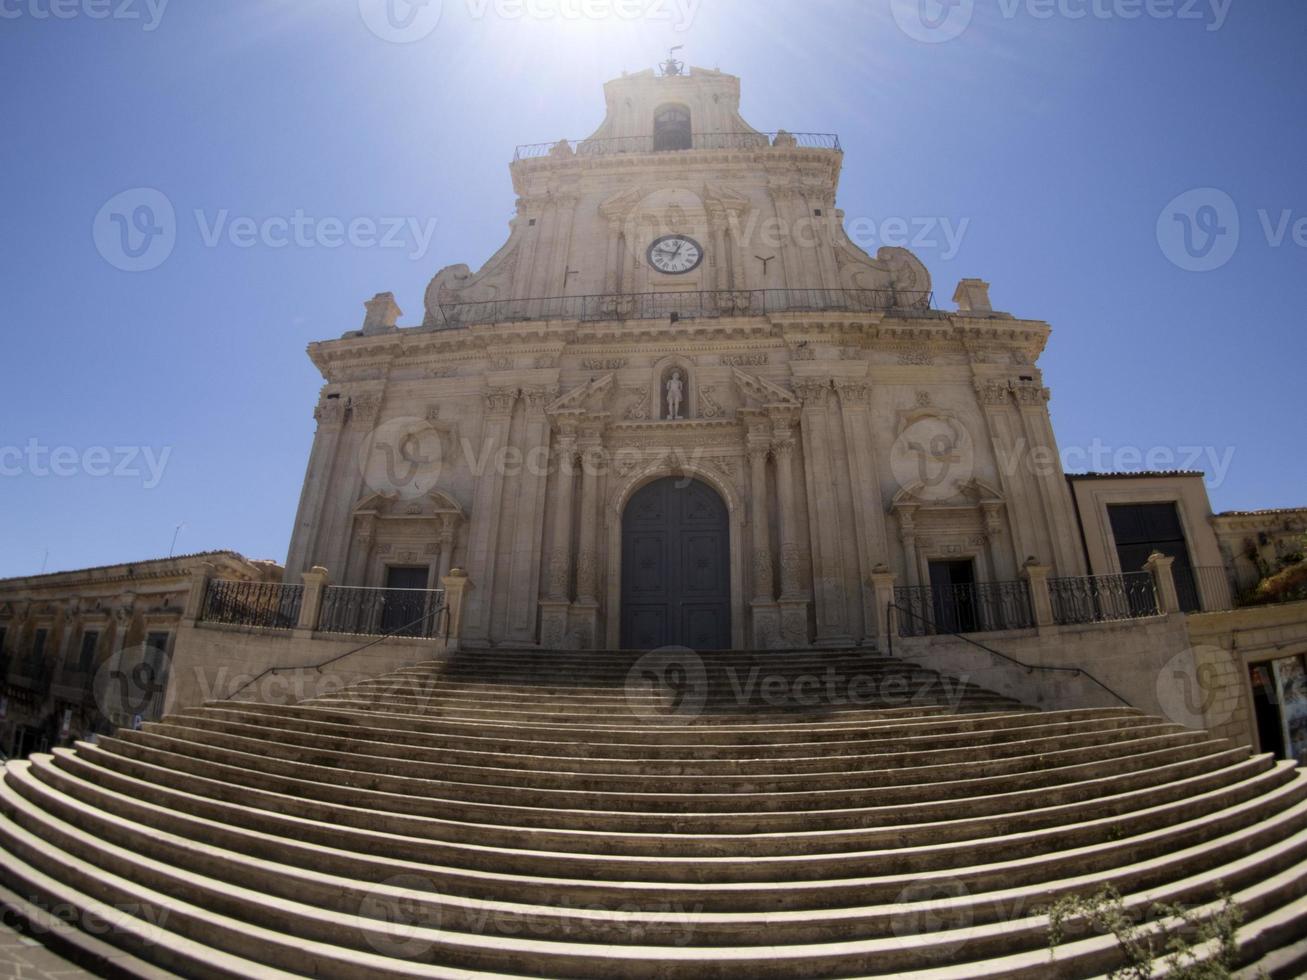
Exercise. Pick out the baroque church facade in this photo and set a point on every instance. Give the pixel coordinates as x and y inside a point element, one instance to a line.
<point>681,406</point>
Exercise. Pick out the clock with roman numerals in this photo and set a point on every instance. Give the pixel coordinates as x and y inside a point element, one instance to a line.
<point>675,255</point>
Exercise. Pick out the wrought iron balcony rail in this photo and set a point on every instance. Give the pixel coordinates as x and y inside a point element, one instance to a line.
<point>982,607</point>
<point>698,141</point>
<point>1103,598</point>
<point>687,305</point>
<point>267,604</point>
<point>1203,588</point>
<point>377,612</point>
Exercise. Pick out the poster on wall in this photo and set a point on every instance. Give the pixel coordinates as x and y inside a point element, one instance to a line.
<point>1291,683</point>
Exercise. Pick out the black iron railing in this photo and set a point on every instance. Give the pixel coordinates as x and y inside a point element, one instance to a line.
<point>698,141</point>
<point>981,607</point>
<point>376,612</point>
<point>267,604</point>
<point>686,305</point>
<point>1103,598</point>
<point>1203,588</point>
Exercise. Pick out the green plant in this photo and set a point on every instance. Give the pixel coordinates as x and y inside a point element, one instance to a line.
<point>1195,947</point>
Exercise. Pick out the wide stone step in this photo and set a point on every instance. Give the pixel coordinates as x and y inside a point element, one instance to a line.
<point>309,782</point>
<point>660,835</point>
<point>521,755</point>
<point>551,813</point>
<point>637,741</point>
<point>509,770</point>
<point>710,881</point>
<point>328,824</point>
<point>872,786</point>
<point>335,936</point>
<point>707,717</point>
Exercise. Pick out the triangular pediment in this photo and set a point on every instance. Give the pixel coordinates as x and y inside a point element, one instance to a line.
<point>763,391</point>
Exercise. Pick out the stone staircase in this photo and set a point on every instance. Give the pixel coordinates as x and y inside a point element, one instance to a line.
<point>557,814</point>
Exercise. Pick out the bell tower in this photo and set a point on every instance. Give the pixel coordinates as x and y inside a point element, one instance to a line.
<point>675,205</point>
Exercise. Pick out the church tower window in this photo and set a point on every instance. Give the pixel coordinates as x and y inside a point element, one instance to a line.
<point>672,128</point>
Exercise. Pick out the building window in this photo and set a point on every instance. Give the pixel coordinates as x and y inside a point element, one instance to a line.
<point>1141,529</point>
<point>86,652</point>
<point>38,644</point>
<point>4,635</point>
<point>672,128</point>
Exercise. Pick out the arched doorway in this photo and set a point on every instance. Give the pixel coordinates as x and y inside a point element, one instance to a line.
<point>676,578</point>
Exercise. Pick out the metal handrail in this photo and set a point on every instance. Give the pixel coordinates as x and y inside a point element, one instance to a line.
<point>698,141</point>
<point>441,613</point>
<point>1029,668</point>
<point>686,304</point>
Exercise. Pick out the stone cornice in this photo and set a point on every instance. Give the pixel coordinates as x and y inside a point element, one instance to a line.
<point>361,359</point>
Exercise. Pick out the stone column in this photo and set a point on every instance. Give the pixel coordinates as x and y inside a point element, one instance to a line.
<point>908,538</point>
<point>483,541</point>
<point>524,579</point>
<point>316,581</point>
<point>1041,600</point>
<point>201,575</point>
<point>554,607</point>
<point>882,585</point>
<point>823,516</point>
<point>766,616</point>
<point>330,415</point>
<point>456,586</point>
<point>793,600</point>
<point>356,573</point>
<point>1054,493</point>
<point>1168,599</point>
<point>587,559</point>
<point>868,511</point>
<point>448,530</point>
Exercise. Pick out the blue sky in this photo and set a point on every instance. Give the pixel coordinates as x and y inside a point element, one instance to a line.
<point>1055,142</point>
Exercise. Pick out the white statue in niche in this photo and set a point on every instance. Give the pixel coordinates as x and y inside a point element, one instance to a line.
<point>675,395</point>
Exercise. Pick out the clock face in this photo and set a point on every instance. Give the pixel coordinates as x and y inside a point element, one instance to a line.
<point>675,254</point>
